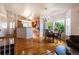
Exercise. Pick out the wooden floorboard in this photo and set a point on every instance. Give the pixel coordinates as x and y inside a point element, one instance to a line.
<point>33,47</point>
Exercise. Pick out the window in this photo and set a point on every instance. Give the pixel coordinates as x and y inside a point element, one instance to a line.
<point>59,25</point>
<point>12,24</point>
<point>3,25</point>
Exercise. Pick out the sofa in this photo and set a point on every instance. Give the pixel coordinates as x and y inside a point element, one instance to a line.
<point>73,41</point>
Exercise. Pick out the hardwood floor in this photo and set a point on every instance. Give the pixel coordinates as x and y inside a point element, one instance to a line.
<point>33,47</point>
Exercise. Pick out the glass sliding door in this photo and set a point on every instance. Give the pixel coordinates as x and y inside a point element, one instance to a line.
<point>59,26</point>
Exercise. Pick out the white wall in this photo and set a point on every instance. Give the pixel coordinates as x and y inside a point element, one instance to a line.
<point>75,21</point>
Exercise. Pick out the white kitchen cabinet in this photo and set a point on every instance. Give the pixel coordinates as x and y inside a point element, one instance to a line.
<point>25,32</point>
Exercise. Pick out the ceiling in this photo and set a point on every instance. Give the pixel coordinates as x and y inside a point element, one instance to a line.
<point>31,9</point>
